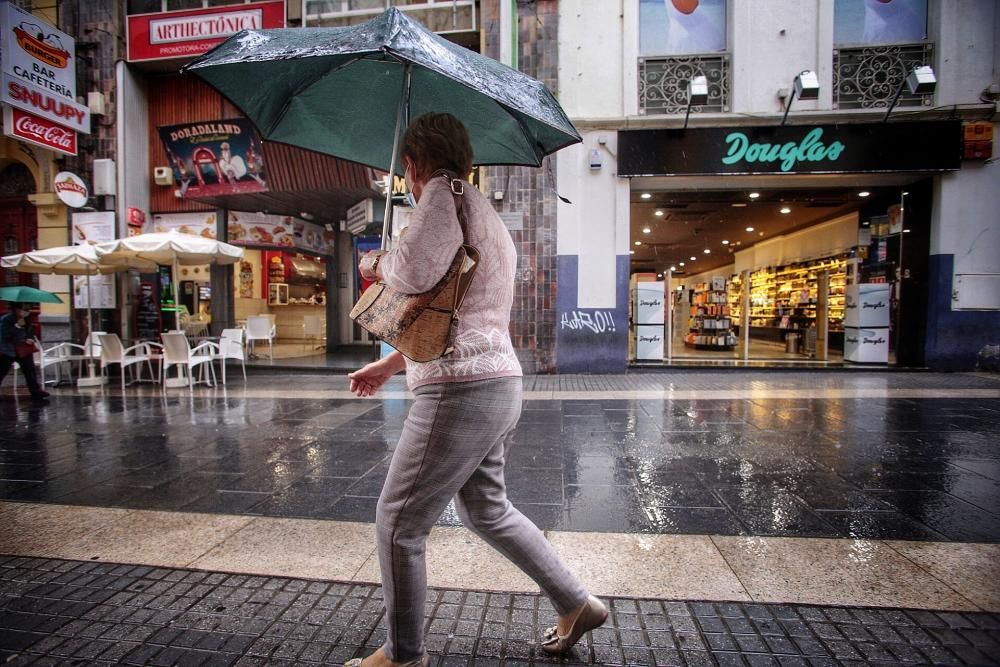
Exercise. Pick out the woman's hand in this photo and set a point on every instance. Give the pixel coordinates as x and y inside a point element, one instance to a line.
<point>368,266</point>
<point>369,379</point>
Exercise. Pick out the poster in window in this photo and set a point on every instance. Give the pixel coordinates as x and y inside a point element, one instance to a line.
<point>93,228</point>
<point>879,21</point>
<point>681,27</point>
<point>218,157</point>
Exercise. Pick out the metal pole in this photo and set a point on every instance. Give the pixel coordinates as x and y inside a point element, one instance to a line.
<point>669,302</point>
<point>899,280</point>
<point>791,98</point>
<point>745,315</point>
<point>397,136</point>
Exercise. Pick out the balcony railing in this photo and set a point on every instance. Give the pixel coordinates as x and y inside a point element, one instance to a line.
<point>867,77</point>
<point>663,83</point>
<point>440,16</point>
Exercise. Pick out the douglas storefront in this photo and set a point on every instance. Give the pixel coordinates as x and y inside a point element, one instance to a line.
<point>802,244</point>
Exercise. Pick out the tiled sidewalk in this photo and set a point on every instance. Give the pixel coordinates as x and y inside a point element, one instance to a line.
<point>81,613</point>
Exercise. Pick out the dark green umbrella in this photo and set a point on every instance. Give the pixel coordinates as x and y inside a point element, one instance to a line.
<point>346,91</point>
<point>25,294</point>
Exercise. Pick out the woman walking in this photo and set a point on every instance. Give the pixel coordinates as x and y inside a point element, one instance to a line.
<point>467,404</point>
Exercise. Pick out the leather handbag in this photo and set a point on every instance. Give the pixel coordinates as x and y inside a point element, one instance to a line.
<point>421,326</point>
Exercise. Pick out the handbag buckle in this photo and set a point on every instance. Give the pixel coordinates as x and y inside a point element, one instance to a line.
<point>457,186</point>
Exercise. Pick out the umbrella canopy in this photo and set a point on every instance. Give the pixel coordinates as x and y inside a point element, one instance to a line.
<point>339,90</point>
<point>167,248</point>
<point>74,260</point>
<point>25,294</point>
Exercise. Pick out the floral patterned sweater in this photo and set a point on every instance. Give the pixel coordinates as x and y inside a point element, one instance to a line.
<point>482,345</point>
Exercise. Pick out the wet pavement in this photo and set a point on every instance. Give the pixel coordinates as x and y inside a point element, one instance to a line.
<point>916,468</point>
<point>55,612</point>
<point>725,516</point>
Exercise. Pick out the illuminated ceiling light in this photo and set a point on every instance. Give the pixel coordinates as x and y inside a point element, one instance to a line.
<point>646,230</point>
<point>638,242</point>
<point>906,231</point>
<point>631,252</point>
<point>659,275</point>
<point>754,195</point>
<point>725,242</point>
<point>864,193</point>
<point>673,268</point>
<point>761,234</point>
<point>905,193</point>
<point>659,214</point>
<point>645,195</point>
<point>707,251</point>
<point>681,263</point>
<point>693,258</point>
<point>749,229</point>
<point>785,210</point>
<point>739,204</point>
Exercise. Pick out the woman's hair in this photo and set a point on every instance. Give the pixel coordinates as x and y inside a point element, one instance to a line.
<point>438,141</point>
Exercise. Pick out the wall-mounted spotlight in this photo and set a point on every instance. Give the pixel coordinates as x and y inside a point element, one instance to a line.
<point>806,87</point>
<point>697,94</point>
<point>920,81</point>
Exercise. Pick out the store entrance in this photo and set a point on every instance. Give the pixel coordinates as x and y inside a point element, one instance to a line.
<point>769,275</point>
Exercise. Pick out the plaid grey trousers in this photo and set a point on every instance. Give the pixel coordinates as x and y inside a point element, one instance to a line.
<point>453,445</point>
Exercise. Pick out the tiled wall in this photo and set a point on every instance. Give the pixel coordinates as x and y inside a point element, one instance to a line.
<point>531,192</point>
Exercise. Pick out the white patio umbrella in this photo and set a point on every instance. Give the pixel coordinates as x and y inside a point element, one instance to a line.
<point>74,260</point>
<point>168,249</point>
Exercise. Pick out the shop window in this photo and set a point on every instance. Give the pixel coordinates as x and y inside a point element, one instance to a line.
<point>680,39</point>
<point>876,45</point>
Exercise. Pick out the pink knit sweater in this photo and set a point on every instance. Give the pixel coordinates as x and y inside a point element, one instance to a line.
<point>482,343</point>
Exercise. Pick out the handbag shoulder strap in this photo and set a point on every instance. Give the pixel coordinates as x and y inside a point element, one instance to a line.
<point>457,187</point>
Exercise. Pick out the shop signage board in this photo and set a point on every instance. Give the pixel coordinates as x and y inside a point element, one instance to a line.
<point>39,72</point>
<point>798,149</point>
<point>279,231</point>
<point>867,305</point>
<point>866,346</point>
<point>39,131</point>
<point>187,34</point>
<point>93,228</point>
<point>71,189</point>
<point>216,157</point>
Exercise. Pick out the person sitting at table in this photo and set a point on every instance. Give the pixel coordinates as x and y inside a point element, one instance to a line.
<point>17,344</point>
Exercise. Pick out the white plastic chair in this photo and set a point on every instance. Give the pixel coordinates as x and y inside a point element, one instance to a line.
<point>112,352</point>
<point>231,347</point>
<point>177,352</point>
<point>312,327</point>
<point>54,355</point>
<point>260,327</point>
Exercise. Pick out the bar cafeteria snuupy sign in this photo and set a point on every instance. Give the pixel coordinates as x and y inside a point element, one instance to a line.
<point>39,69</point>
<point>798,149</point>
<point>186,34</point>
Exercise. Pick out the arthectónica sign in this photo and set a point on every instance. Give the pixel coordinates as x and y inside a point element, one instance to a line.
<point>800,149</point>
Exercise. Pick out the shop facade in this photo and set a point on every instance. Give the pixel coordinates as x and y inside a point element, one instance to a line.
<point>770,222</point>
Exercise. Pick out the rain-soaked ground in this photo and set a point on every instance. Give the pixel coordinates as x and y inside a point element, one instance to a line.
<point>173,528</point>
<point>878,455</point>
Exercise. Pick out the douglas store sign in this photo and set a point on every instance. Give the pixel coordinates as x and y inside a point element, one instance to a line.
<point>191,33</point>
<point>816,149</point>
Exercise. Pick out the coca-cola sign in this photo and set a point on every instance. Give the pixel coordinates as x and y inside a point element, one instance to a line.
<point>38,131</point>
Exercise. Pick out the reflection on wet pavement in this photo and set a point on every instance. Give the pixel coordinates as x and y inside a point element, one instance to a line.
<point>898,468</point>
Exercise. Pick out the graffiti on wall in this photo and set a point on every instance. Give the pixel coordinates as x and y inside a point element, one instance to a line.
<point>598,321</point>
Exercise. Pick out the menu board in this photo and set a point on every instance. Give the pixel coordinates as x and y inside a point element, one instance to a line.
<point>279,231</point>
<point>93,228</point>
<point>147,312</point>
<point>199,224</point>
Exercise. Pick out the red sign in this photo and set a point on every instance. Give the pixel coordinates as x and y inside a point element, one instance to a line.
<point>187,34</point>
<point>39,131</point>
<point>60,110</point>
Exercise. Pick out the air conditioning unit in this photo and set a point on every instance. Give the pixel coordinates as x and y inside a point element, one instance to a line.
<point>163,176</point>
<point>104,177</point>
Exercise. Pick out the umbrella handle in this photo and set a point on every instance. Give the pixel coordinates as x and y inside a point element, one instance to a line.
<point>404,103</point>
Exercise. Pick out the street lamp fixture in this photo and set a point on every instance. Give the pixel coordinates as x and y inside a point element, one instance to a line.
<point>697,91</point>
<point>806,87</point>
<point>920,81</point>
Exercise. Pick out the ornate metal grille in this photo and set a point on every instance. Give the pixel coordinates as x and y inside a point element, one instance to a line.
<point>663,83</point>
<point>867,77</point>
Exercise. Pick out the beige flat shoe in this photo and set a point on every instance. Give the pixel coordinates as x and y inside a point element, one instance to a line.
<point>591,615</point>
<point>422,661</point>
